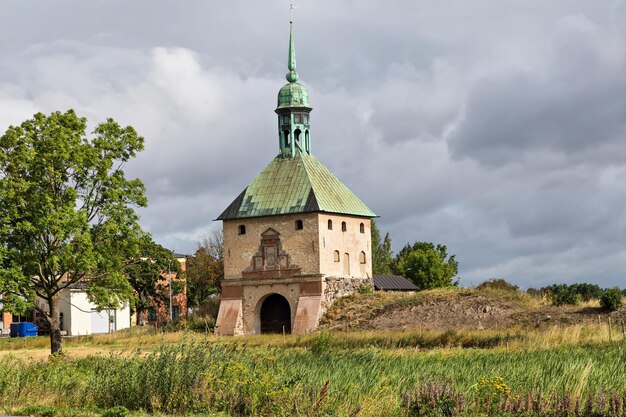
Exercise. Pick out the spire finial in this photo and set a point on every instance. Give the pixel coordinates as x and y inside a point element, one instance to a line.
<point>292,75</point>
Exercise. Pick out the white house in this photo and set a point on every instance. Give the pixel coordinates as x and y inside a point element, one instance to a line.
<point>79,316</point>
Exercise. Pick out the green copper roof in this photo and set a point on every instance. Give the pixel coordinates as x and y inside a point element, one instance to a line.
<point>295,185</point>
<point>293,95</point>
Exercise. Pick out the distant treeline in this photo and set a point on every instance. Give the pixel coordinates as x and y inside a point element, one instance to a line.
<point>563,294</point>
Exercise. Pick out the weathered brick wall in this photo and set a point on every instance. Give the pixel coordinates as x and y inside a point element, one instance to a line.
<point>301,245</point>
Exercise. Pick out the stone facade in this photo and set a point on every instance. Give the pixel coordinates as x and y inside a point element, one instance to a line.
<point>310,264</point>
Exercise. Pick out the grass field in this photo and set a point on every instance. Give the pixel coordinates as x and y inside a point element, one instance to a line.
<point>418,373</point>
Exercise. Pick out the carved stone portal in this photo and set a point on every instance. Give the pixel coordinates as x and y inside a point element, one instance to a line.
<point>271,260</point>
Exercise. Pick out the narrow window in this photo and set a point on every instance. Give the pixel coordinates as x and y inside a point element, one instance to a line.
<point>297,134</point>
<point>362,258</point>
<point>362,228</point>
<point>344,227</point>
<point>330,224</point>
<point>299,225</point>
<point>306,118</point>
<point>287,138</point>
<point>242,229</point>
<point>336,256</point>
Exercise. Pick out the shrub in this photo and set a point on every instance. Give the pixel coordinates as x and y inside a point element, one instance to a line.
<point>37,410</point>
<point>611,300</point>
<point>365,289</point>
<point>201,324</point>
<point>118,411</point>
<point>497,284</point>
<point>321,344</point>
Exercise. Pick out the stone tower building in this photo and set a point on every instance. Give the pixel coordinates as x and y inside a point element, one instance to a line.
<point>296,238</point>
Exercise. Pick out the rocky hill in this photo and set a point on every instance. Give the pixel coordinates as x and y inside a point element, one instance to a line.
<point>457,308</point>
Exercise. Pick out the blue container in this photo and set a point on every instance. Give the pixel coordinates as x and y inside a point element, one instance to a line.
<point>24,329</point>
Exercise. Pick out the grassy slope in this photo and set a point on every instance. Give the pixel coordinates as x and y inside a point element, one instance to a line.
<point>366,371</point>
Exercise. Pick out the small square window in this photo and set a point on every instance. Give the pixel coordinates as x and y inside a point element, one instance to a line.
<point>298,118</point>
<point>242,229</point>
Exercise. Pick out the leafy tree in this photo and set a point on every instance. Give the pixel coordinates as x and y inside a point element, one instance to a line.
<point>382,256</point>
<point>561,294</point>
<point>587,291</point>
<point>611,299</point>
<point>145,275</point>
<point>67,212</point>
<point>205,269</point>
<point>427,265</point>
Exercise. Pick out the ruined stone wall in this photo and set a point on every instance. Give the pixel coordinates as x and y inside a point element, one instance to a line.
<point>301,245</point>
<point>335,288</point>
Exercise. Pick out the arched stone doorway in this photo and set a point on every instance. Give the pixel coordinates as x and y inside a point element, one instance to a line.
<point>275,315</point>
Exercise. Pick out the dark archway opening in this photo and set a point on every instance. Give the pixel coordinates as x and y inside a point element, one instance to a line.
<point>275,315</point>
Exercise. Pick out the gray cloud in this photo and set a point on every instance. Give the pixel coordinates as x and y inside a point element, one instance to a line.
<point>495,129</point>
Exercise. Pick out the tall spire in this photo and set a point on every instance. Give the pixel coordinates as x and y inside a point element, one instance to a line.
<point>292,75</point>
<point>293,110</point>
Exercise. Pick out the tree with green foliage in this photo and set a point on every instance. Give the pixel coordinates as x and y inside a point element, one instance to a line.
<point>67,214</point>
<point>145,274</point>
<point>587,291</point>
<point>562,294</point>
<point>382,256</point>
<point>205,269</point>
<point>611,299</point>
<point>427,265</point>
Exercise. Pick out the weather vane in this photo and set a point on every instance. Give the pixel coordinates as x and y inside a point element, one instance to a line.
<point>292,7</point>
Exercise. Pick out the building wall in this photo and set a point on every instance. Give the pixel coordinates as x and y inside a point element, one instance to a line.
<point>310,290</point>
<point>178,300</point>
<point>301,245</point>
<point>77,313</point>
<point>352,242</point>
<point>253,297</point>
<point>7,319</point>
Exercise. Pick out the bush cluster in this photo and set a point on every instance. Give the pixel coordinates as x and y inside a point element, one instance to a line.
<point>563,294</point>
<point>611,300</point>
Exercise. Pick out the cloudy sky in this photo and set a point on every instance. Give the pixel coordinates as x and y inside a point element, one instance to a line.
<point>495,127</point>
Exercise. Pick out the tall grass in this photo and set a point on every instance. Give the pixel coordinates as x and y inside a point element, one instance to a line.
<point>207,375</point>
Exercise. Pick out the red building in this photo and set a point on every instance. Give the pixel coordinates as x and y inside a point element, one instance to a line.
<point>7,319</point>
<point>173,286</point>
